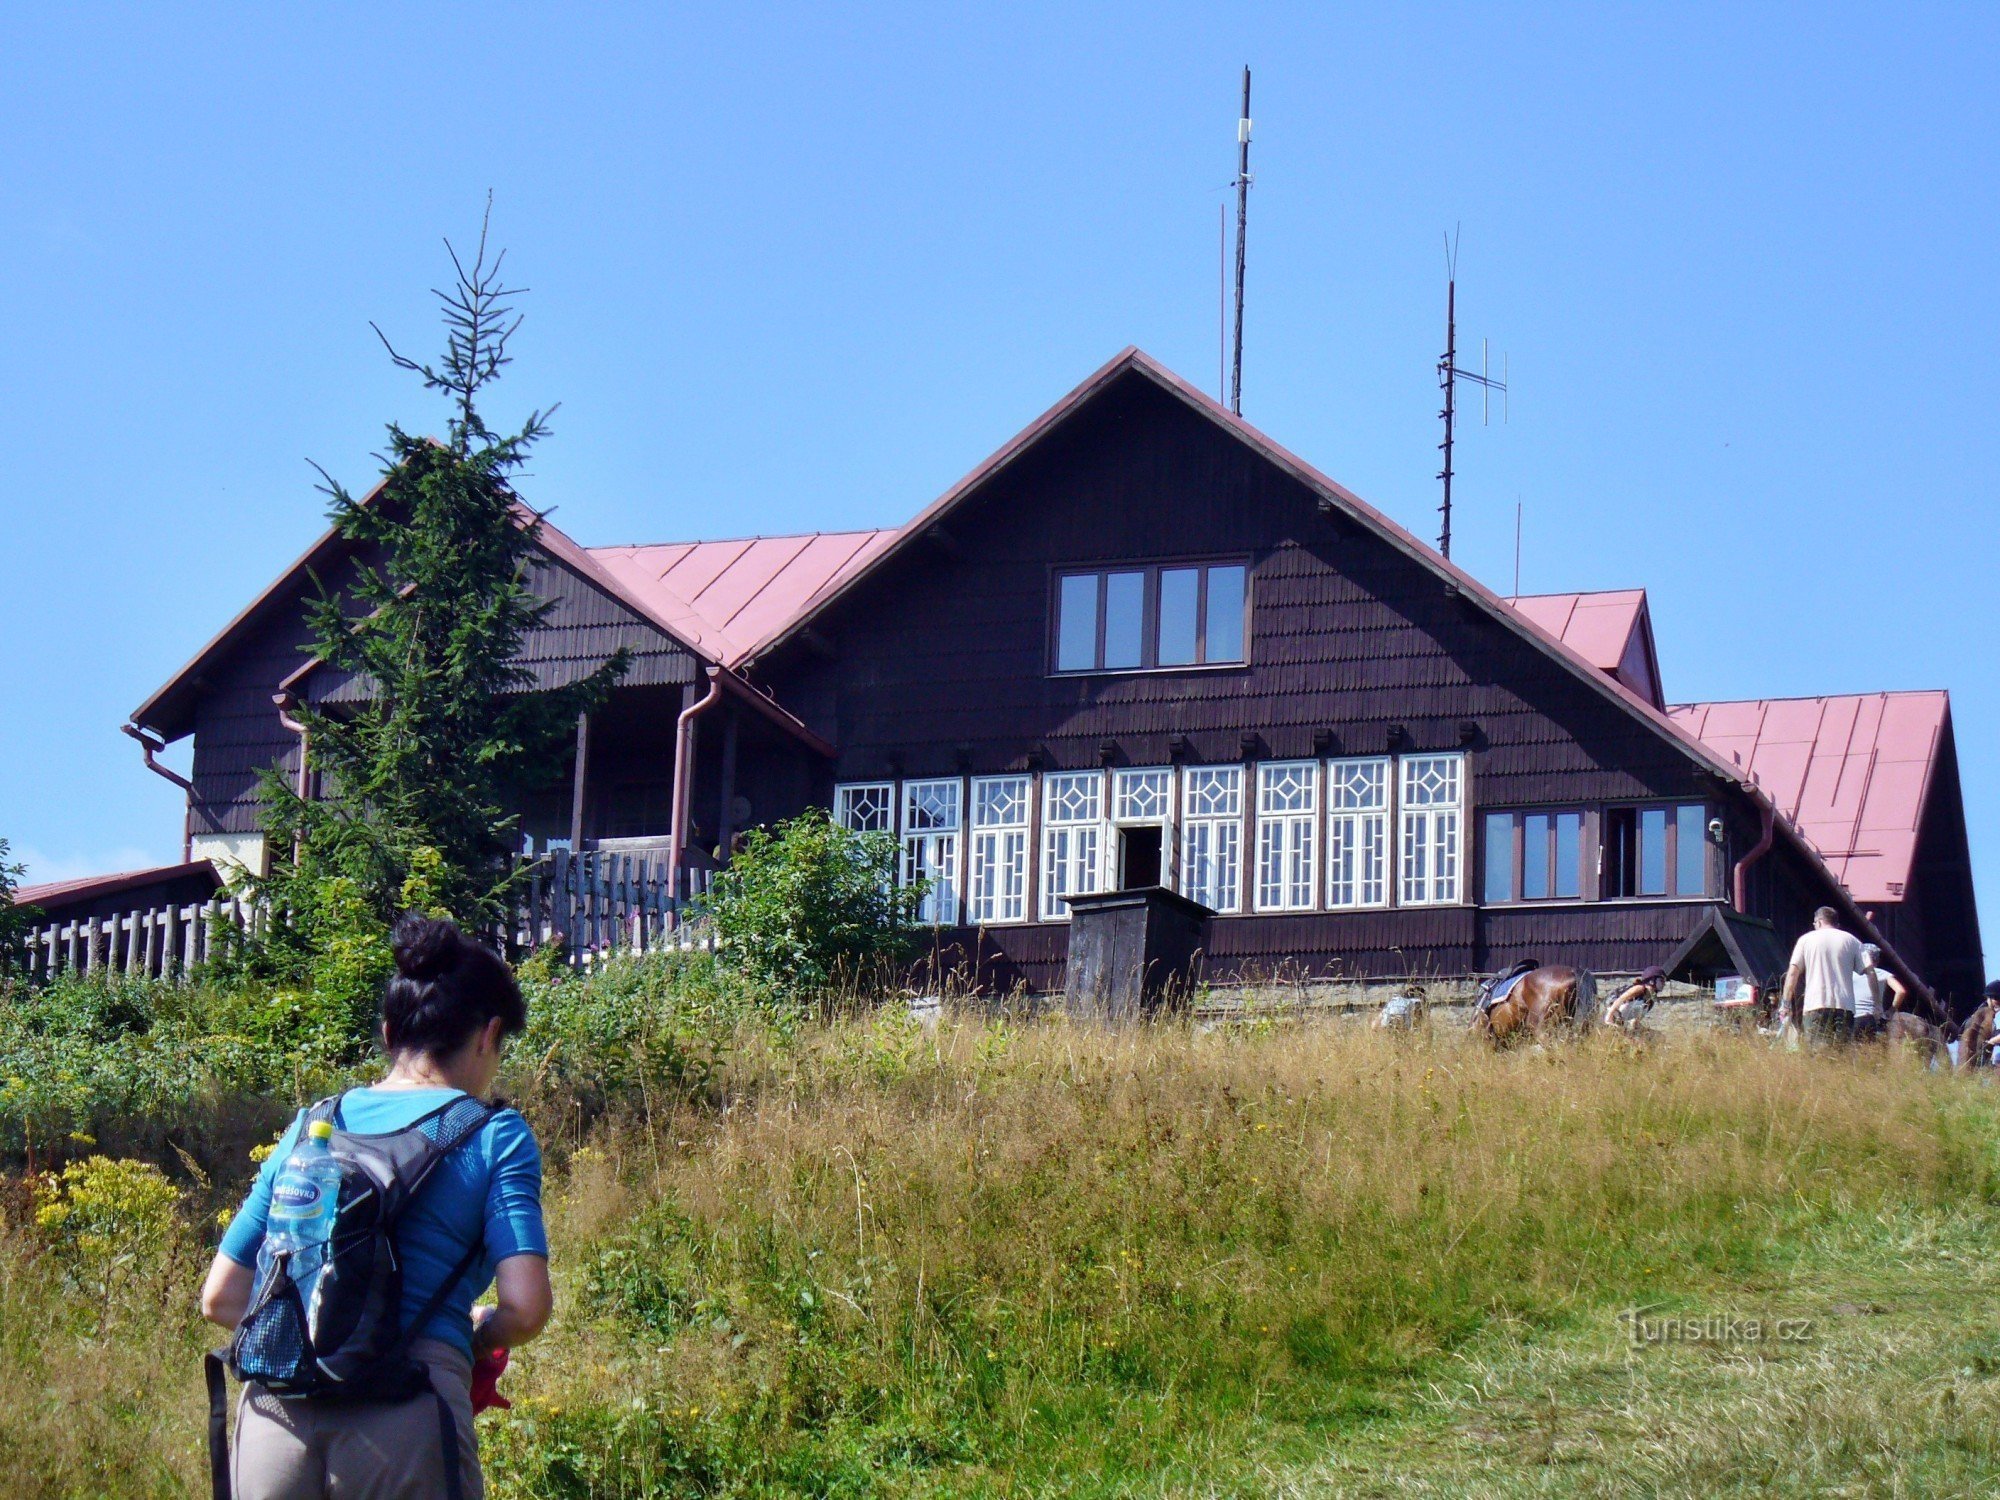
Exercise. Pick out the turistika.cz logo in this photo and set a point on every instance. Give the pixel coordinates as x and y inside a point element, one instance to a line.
<point>1712,1328</point>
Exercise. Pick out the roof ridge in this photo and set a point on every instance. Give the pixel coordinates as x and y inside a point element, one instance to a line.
<point>1814,697</point>
<point>1637,588</point>
<point>761,536</point>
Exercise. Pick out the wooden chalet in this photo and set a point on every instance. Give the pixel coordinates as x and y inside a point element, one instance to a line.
<point>1143,644</point>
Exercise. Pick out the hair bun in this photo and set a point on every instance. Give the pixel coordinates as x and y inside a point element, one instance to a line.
<point>425,946</point>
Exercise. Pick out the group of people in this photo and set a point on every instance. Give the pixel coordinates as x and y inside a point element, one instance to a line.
<point>1846,992</point>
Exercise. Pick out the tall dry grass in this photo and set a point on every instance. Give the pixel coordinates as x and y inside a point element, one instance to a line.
<point>1036,1259</point>
<point>1068,1258</point>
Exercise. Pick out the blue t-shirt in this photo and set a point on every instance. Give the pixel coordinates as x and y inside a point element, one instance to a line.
<point>491,1186</point>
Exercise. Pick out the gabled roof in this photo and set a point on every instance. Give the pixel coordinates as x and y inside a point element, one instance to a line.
<point>732,598</point>
<point>1611,629</point>
<point>169,711</point>
<point>1133,362</point>
<point>1853,772</point>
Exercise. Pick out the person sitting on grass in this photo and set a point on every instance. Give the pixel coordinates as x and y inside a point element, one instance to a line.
<point>1824,963</point>
<point>1629,1006</point>
<point>446,1017</point>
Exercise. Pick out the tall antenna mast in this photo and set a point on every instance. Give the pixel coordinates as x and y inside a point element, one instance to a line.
<point>1221,303</point>
<point>1242,224</point>
<point>1449,375</point>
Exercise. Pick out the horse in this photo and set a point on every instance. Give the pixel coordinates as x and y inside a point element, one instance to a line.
<point>1544,998</point>
<point>1975,1037</point>
<point>1926,1039</point>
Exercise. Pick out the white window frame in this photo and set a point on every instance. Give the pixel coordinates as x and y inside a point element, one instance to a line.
<point>997,880</point>
<point>1127,811</point>
<point>1073,839</point>
<point>932,850</point>
<point>1430,865</point>
<point>1211,857</point>
<point>1288,804</point>
<point>850,794</point>
<point>1359,867</point>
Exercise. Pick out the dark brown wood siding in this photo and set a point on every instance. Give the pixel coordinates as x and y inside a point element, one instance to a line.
<point>1431,942</point>
<point>237,732</point>
<point>938,665</point>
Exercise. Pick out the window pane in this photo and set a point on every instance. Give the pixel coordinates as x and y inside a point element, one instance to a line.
<point>1652,851</point>
<point>867,808</point>
<point>1076,623</point>
<point>1499,857</point>
<point>1224,634</point>
<point>1690,850</point>
<point>1141,796</point>
<point>1177,615</point>
<point>1535,857</point>
<point>1569,855</point>
<point>1124,617</point>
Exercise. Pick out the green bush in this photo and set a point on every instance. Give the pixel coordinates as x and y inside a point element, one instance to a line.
<point>88,1056</point>
<point>810,908</point>
<point>649,1029</point>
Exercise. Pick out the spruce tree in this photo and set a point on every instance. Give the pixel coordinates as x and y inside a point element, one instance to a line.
<point>14,919</point>
<point>422,776</point>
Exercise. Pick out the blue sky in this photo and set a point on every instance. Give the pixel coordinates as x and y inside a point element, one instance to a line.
<point>794,269</point>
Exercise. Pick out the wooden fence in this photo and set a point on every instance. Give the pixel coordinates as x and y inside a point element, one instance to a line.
<point>597,904</point>
<point>605,903</point>
<point>162,942</point>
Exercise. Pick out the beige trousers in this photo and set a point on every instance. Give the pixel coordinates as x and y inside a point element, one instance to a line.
<point>304,1450</point>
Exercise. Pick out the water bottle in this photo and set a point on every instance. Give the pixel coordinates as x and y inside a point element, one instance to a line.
<point>303,1201</point>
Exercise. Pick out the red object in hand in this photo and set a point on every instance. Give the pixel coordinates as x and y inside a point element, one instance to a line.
<point>486,1372</point>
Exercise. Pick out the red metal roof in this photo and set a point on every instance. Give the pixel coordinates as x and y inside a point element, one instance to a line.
<point>731,598</point>
<point>1851,771</point>
<point>1611,629</point>
<point>56,893</point>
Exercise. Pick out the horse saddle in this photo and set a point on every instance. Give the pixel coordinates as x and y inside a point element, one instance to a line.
<point>1500,986</point>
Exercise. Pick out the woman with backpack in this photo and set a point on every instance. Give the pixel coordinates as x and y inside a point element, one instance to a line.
<point>353,1385</point>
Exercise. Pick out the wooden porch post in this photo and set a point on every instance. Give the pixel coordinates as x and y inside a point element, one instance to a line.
<point>726,824</point>
<point>578,783</point>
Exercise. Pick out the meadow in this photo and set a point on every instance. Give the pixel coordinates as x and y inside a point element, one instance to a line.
<point>847,1255</point>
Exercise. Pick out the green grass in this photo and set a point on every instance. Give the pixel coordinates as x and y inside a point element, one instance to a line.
<point>859,1259</point>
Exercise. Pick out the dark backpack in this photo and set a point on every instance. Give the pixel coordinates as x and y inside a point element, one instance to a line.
<point>350,1342</point>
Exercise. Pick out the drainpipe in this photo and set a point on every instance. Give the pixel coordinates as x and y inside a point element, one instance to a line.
<point>149,747</point>
<point>683,765</point>
<point>286,703</point>
<point>1769,817</point>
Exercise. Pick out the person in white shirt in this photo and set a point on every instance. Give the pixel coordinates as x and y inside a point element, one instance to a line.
<point>1824,963</point>
<point>1877,992</point>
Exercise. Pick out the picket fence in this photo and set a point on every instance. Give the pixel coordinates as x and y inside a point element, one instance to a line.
<point>595,904</point>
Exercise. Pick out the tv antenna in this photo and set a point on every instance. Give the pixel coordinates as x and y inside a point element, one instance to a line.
<point>1242,186</point>
<point>1450,374</point>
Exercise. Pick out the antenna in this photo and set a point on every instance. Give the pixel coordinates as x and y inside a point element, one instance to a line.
<point>1221,303</point>
<point>1449,375</point>
<point>1242,224</point>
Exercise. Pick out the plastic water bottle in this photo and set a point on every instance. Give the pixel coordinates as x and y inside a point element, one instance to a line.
<point>303,1201</point>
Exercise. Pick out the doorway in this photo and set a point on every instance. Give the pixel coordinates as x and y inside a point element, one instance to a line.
<point>1140,856</point>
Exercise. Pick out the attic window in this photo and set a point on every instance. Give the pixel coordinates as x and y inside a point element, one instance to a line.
<point>1149,617</point>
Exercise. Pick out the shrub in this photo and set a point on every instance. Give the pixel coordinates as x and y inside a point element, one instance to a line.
<point>99,1211</point>
<point>653,1029</point>
<point>99,1055</point>
<point>810,907</point>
